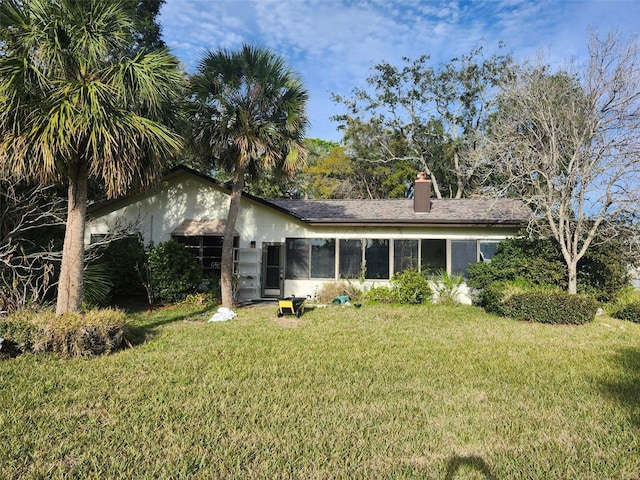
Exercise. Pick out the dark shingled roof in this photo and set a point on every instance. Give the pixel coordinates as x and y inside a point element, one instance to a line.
<point>460,212</point>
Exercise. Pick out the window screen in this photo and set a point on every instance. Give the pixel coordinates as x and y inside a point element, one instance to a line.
<point>323,258</point>
<point>297,263</point>
<point>350,258</point>
<point>376,256</point>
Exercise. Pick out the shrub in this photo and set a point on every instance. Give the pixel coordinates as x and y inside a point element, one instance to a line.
<point>380,294</point>
<point>493,297</point>
<point>73,334</point>
<point>447,285</point>
<point>522,301</point>
<point>602,272</point>
<point>535,261</point>
<point>174,271</point>
<point>409,286</point>
<point>552,307</point>
<point>627,311</point>
<point>18,332</point>
<point>124,256</point>
<point>97,284</point>
<point>330,290</point>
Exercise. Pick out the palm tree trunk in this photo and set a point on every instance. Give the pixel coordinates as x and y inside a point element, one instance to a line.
<point>226,275</point>
<point>71,284</point>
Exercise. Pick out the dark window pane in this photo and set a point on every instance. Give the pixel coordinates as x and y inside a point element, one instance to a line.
<point>487,250</point>
<point>463,253</point>
<point>405,255</point>
<point>350,258</point>
<point>376,257</point>
<point>207,249</point>
<point>323,258</point>
<point>297,264</point>
<point>434,255</point>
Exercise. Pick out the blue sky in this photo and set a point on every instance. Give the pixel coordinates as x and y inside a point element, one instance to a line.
<point>333,44</point>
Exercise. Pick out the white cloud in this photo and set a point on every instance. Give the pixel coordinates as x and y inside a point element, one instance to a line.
<point>333,43</point>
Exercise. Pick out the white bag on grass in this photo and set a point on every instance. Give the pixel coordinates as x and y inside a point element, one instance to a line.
<point>222,315</point>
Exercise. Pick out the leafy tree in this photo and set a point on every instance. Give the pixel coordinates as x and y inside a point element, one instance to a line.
<point>331,176</point>
<point>433,117</point>
<point>568,143</point>
<point>602,272</point>
<point>78,105</point>
<point>145,32</point>
<point>248,117</point>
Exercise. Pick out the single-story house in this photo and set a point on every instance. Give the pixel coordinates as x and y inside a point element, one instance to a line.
<point>290,247</point>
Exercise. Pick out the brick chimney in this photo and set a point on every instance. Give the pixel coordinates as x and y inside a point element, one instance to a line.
<point>422,194</point>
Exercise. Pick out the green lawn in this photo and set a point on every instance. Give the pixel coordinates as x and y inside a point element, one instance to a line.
<point>380,392</point>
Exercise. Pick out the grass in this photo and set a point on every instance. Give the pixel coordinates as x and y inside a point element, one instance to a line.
<point>436,392</point>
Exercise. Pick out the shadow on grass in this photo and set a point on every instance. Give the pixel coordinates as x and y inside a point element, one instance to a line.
<point>625,388</point>
<point>143,330</point>
<point>472,462</point>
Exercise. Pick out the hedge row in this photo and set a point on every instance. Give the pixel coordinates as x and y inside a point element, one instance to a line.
<point>71,335</point>
<point>628,311</point>
<point>535,304</point>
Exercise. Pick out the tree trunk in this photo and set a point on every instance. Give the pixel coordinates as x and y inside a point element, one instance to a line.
<point>572,268</point>
<point>226,276</point>
<point>71,283</point>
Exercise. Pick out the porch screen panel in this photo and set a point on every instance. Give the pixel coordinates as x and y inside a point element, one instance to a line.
<point>323,258</point>
<point>405,255</point>
<point>434,255</point>
<point>376,257</point>
<point>463,253</point>
<point>297,262</point>
<point>350,258</point>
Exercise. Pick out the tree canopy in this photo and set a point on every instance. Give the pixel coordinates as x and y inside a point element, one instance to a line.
<point>431,117</point>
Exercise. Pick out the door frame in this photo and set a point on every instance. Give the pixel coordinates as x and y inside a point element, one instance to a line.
<point>267,292</point>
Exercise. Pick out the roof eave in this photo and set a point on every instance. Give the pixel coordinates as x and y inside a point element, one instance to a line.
<point>327,222</point>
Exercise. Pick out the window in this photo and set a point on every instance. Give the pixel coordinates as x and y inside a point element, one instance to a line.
<point>297,258</point>
<point>98,237</point>
<point>207,249</point>
<point>405,255</point>
<point>463,253</point>
<point>434,255</point>
<point>487,250</point>
<point>350,258</point>
<point>323,258</point>
<point>376,258</point>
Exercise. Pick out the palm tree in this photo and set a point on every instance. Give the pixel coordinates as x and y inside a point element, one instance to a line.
<point>77,105</point>
<point>248,117</point>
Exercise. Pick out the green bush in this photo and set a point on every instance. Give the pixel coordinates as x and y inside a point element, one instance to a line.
<point>175,272</point>
<point>71,335</point>
<point>18,332</point>
<point>97,284</point>
<point>123,256</point>
<point>380,294</point>
<point>552,307</point>
<point>538,262</point>
<point>447,286</point>
<point>522,301</point>
<point>627,311</point>
<point>602,272</point>
<point>493,297</point>
<point>410,286</point>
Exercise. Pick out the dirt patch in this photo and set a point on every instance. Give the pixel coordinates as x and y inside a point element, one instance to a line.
<point>288,321</point>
